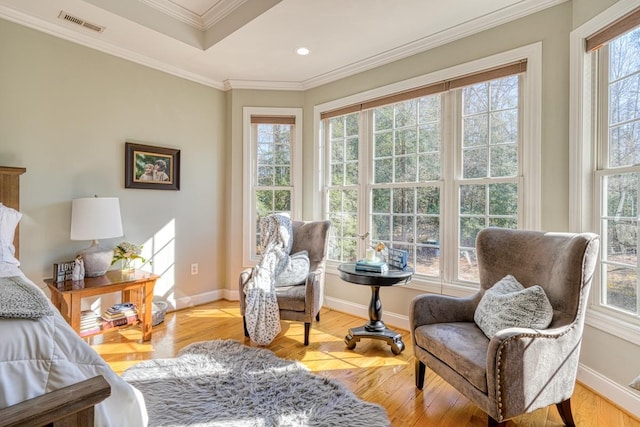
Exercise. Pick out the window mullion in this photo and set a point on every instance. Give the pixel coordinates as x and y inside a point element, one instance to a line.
<point>365,156</point>
<point>451,126</point>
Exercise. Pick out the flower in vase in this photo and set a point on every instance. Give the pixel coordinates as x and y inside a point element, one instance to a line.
<point>127,253</point>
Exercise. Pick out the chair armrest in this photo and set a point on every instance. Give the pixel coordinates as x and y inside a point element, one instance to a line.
<point>433,308</point>
<point>314,290</point>
<point>71,405</point>
<point>529,369</point>
<point>245,275</point>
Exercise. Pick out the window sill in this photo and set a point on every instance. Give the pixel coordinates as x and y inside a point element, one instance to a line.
<point>613,325</point>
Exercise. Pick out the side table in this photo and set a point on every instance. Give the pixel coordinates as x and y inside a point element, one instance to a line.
<point>135,286</point>
<point>375,327</point>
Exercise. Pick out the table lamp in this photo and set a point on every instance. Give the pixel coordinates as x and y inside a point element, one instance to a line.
<point>94,218</point>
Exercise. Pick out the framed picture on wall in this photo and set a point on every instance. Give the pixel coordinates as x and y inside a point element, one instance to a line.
<point>150,167</point>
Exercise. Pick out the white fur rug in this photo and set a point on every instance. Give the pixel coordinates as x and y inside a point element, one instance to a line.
<point>225,383</point>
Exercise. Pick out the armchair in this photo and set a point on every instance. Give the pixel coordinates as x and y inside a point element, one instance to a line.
<point>519,369</point>
<point>301,302</point>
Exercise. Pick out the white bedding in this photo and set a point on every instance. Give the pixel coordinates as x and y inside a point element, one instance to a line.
<point>39,356</point>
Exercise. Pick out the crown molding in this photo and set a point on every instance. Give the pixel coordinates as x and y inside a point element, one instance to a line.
<point>200,22</point>
<point>92,42</point>
<point>449,35</point>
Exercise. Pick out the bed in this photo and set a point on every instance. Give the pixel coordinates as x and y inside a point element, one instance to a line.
<point>42,355</point>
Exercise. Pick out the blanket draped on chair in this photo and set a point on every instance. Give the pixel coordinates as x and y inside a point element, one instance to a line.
<point>262,312</point>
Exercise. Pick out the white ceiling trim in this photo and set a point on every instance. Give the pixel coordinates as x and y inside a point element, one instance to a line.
<point>447,36</point>
<point>419,46</point>
<point>202,23</point>
<point>93,43</point>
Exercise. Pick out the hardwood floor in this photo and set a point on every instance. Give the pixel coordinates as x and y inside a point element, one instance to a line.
<point>370,370</point>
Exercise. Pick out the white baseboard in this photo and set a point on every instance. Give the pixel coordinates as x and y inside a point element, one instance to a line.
<point>621,396</point>
<point>624,397</point>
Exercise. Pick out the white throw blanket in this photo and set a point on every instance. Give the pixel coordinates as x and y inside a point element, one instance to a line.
<point>262,313</point>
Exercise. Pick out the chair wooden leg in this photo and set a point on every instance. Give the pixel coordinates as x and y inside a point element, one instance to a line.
<point>244,323</point>
<point>420,369</point>
<point>564,408</point>
<point>307,328</point>
<point>318,317</point>
<point>493,423</point>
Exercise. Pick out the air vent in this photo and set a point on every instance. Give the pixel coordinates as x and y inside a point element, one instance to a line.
<point>75,20</point>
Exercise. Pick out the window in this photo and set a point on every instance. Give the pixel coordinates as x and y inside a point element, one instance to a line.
<point>272,168</point>
<point>618,171</point>
<point>605,153</point>
<point>425,169</point>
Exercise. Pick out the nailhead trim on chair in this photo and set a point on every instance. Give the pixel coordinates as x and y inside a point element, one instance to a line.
<point>504,344</point>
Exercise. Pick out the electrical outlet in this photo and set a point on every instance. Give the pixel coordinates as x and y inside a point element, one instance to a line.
<point>194,269</point>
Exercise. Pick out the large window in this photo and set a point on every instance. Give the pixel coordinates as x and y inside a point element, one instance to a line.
<point>618,171</point>
<point>272,168</point>
<point>426,169</point>
<point>605,154</point>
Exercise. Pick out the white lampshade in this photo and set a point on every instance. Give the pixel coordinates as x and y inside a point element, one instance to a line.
<point>94,218</point>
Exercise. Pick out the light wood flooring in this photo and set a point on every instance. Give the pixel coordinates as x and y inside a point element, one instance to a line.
<point>370,370</point>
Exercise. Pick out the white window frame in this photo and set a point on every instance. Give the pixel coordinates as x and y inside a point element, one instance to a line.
<point>583,214</point>
<point>249,166</point>
<point>531,148</point>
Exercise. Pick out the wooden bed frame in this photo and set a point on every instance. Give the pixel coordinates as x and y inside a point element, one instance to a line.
<point>68,406</point>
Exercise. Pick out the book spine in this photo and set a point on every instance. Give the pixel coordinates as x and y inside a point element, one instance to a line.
<point>373,269</point>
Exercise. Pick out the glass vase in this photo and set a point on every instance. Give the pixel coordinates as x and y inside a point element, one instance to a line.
<point>127,265</point>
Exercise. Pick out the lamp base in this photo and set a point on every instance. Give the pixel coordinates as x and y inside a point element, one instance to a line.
<point>97,259</point>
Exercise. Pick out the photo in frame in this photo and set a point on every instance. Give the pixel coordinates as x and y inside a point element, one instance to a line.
<point>150,167</point>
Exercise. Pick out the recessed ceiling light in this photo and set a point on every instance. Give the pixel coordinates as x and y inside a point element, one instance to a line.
<point>303,51</point>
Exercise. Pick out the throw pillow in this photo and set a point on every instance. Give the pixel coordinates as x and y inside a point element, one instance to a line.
<point>9,219</point>
<point>296,272</point>
<point>508,304</point>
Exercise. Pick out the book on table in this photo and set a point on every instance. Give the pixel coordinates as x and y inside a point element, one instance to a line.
<point>373,266</point>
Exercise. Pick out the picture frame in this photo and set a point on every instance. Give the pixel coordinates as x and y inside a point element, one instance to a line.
<point>150,167</point>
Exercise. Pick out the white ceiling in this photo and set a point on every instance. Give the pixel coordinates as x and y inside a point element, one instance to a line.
<point>251,43</point>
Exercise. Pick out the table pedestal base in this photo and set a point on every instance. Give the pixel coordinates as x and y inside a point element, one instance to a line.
<point>392,338</point>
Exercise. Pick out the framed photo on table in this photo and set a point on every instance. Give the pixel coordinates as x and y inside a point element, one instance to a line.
<point>150,167</point>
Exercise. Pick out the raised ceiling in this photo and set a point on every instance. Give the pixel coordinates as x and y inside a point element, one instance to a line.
<point>251,43</point>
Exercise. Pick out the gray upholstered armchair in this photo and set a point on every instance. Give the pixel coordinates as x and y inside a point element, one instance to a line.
<point>301,302</point>
<point>519,369</point>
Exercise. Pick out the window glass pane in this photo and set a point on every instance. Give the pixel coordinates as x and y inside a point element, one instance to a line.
<point>504,160</point>
<point>504,93</point>
<point>343,217</point>
<point>401,145</point>
<point>624,144</point>
<point>342,198</point>
<point>406,114</point>
<point>475,163</point>
<point>620,242</point>
<point>503,199</point>
<point>476,99</point>
<point>381,200</point>
<point>490,129</point>
<point>473,199</point>
<point>621,289</point>
<point>383,170</point>
<point>475,130</point>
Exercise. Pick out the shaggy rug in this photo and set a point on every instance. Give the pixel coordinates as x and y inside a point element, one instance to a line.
<point>225,383</point>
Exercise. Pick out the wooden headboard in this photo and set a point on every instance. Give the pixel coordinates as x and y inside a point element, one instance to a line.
<point>10,193</point>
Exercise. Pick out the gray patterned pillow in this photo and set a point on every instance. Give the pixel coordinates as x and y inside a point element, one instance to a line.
<point>508,304</point>
<point>296,272</point>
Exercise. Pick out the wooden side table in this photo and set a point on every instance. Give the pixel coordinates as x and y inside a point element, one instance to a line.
<point>135,286</point>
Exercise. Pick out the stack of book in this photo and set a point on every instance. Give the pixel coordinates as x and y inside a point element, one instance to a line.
<point>373,266</point>
<point>119,315</point>
<point>90,323</point>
